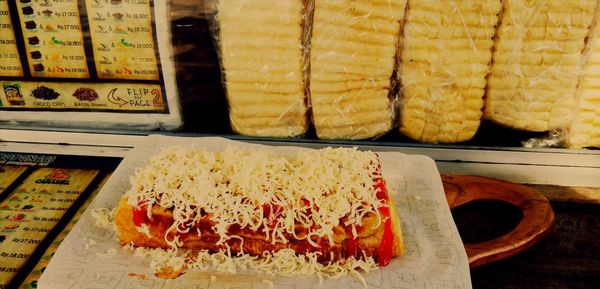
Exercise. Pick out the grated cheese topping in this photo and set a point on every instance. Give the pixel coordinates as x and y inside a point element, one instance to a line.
<point>104,218</point>
<point>262,190</point>
<point>144,229</point>
<point>283,263</point>
<point>161,259</point>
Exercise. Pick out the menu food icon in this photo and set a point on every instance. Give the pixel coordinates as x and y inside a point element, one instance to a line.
<point>36,54</point>
<point>43,92</point>
<point>27,10</point>
<point>38,67</point>
<point>86,94</point>
<point>13,94</point>
<point>33,40</point>
<point>30,25</point>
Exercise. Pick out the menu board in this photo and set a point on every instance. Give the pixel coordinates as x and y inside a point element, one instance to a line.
<point>53,39</point>
<point>88,56</point>
<point>33,210</point>
<point>39,194</point>
<point>31,281</point>
<point>123,41</point>
<point>9,53</point>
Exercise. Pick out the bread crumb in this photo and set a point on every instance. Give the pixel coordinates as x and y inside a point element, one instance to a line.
<point>139,276</point>
<point>89,243</point>
<point>109,253</point>
<point>104,217</point>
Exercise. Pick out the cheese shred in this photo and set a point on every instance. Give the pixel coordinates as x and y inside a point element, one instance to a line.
<point>281,263</point>
<point>104,217</point>
<point>261,190</point>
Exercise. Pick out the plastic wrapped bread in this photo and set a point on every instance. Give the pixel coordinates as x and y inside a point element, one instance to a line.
<point>352,57</point>
<point>262,60</point>
<point>584,130</point>
<point>537,63</point>
<point>446,55</point>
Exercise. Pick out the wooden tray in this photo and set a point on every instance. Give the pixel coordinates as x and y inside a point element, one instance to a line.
<point>537,222</point>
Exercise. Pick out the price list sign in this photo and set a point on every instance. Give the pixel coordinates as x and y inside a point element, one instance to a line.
<point>87,56</point>
<point>9,53</point>
<point>31,280</point>
<point>32,211</point>
<point>53,38</point>
<point>122,40</point>
<point>40,195</point>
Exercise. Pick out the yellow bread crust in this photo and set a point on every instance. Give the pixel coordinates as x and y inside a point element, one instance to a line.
<point>253,244</point>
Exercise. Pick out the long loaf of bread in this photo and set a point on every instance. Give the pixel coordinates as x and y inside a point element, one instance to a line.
<point>353,54</point>
<point>446,53</point>
<point>263,67</point>
<point>334,202</point>
<point>537,62</point>
<point>254,242</point>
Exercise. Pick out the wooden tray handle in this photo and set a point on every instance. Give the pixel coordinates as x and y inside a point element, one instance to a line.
<point>538,216</point>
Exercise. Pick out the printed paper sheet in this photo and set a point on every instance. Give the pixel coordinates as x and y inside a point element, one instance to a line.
<point>434,258</point>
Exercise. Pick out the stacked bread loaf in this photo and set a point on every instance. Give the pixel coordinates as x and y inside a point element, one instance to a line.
<point>353,54</point>
<point>518,63</point>
<point>261,47</point>
<point>584,130</point>
<point>445,60</point>
<point>536,63</point>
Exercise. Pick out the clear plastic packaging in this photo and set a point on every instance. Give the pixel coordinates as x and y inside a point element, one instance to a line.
<point>353,58</point>
<point>261,46</point>
<point>446,56</point>
<point>584,129</point>
<point>537,63</point>
<point>553,139</point>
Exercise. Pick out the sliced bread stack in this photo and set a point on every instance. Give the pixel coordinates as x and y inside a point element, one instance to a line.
<point>446,55</point>
<point>353,55</point>
<point>537,63</point>
<point>261,47</point>
<point>584,130</point>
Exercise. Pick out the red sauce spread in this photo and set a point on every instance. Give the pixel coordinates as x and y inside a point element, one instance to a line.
<point>352,248</point>
<point>272,211</point>
<point>386,246</point>
<point>140,214</point>
<point>387,241</point>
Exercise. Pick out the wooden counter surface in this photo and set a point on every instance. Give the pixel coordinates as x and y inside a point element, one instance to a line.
<point>570,194</point>
<point>569,257</point>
